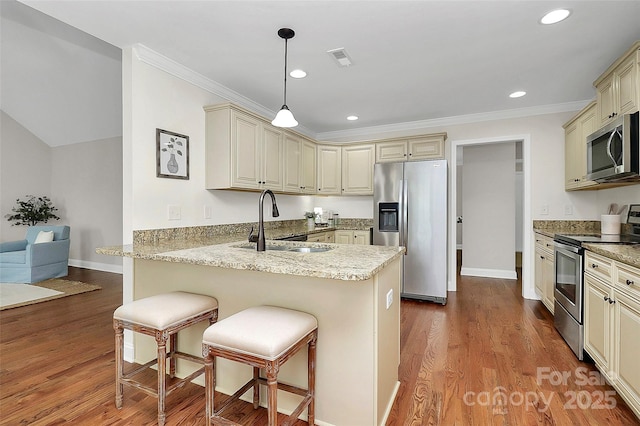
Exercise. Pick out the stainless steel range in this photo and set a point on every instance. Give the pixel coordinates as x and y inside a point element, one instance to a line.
<point>569,278</point>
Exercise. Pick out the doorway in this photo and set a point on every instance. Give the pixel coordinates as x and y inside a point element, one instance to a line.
<point>528,290</point>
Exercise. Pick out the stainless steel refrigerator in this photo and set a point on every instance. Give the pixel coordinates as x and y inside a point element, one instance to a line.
<point>410,210</point>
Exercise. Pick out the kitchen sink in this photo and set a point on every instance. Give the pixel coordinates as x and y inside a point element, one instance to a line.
<point>284,247</point>
<point>310,249</point>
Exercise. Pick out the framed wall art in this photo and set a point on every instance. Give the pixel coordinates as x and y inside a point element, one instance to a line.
<point>172,155</point>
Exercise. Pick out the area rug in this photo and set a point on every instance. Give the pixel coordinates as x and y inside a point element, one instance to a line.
<point>15,295</point>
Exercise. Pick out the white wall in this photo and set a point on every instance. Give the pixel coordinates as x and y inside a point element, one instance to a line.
<point>86,178</point>
<point>156,99</point>
<point>489,211</point>
<point>25,169</point>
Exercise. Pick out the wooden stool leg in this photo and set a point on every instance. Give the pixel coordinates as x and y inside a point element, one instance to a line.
<point>172,360</point>
<point>119,364</point>
<point>311,355</point>
<point>272,393</point>
<point>256,387</point>
<point>209,384</point>
<point>161,340</point>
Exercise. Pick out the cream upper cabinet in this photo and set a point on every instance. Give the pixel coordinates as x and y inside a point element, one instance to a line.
<point>617,89</point>
<point>357,169</point>
<point>299,165</point>
<point>271,154</point>
<point>391,151</point>
<point>292,164</point>
<point>329,170</point>
<point>427,147</point>
<point>308,167</point>
<point>242,151</point>
<point>575,148</point>
<point>245,151</point>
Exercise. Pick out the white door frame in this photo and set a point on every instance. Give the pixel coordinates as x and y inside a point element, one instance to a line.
<point>528,290</point>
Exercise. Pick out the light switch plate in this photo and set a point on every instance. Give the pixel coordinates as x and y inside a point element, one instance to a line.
<point>568,210</point>
<point>173,212</point>
<point>207,212</point>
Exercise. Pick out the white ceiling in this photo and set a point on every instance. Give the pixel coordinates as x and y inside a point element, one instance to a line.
<point>412,60</point>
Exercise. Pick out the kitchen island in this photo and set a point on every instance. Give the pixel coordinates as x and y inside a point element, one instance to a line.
<point>346,288</point>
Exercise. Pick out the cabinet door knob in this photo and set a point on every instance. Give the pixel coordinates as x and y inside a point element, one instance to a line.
<point>594,266</point>
<point>606,298</point>
<point>629,282</point>
<point>541,257</point>
<point>611,301</point>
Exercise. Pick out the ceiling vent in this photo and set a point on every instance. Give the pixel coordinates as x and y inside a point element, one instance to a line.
<point>340,56</point>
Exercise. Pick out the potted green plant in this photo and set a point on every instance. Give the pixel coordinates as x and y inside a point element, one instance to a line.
<point>311,222</point>
<point>32,211</point>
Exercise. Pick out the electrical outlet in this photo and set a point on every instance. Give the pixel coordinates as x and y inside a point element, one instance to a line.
<point>544,209</point>
<point>568,210</point>
<point>389,298</point>
<point>207,212</point>
<point>173,212</point>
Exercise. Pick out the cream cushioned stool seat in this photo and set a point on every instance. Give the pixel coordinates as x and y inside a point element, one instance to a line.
<point>263,337</point>
<point>161,316</point>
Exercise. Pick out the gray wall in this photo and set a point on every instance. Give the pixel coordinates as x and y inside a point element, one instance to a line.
<point>25,168</point>
<point>83,180</point>
<point>86,178</point>
<point>489,205</point>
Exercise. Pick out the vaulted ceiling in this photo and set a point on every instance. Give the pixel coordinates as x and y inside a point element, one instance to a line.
<point>412,60</point>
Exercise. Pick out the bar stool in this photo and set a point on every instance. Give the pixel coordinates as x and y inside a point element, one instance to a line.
<point>161,316</point>
<point>263,337</point>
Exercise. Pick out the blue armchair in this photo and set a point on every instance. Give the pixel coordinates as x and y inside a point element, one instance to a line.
<point>25,261</point>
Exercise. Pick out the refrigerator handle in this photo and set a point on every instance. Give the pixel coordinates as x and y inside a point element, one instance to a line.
<point>400,212</point>
<point>405,217</point>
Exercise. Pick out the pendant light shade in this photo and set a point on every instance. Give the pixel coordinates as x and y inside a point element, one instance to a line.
<point>284,118</point>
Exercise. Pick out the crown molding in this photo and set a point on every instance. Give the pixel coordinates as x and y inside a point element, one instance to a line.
<point>455,120</point>
<point>161,62</point>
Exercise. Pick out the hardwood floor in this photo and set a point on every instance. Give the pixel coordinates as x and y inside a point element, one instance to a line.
<point>487,344</point>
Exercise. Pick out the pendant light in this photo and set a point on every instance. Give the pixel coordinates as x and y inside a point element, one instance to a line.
<point>284,118</point>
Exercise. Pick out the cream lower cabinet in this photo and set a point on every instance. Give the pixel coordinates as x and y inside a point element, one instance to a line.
<point>598,327</point>
<point>544,271</point>
<point>322,237</point>
<point>352,237</point>
<point>612,323</point>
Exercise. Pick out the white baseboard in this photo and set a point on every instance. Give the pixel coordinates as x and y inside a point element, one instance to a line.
<point>105,267</point>
<point>490,273</point>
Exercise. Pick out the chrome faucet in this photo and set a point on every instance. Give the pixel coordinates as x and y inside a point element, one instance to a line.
<point>274,212</point>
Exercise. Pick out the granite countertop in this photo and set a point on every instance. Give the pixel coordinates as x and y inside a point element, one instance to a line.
<point>341,262</point>
<point>625,253</point>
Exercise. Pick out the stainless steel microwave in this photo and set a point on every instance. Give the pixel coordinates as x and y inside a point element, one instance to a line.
<point>613,152</point>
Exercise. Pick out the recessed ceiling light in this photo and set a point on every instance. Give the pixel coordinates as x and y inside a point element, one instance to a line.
<point>517,94</point>
<point>298,74</point>
<point>555,16</point>
<point>352,117</point>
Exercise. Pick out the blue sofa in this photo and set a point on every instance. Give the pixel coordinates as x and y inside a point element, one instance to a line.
<point>25,262</point>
